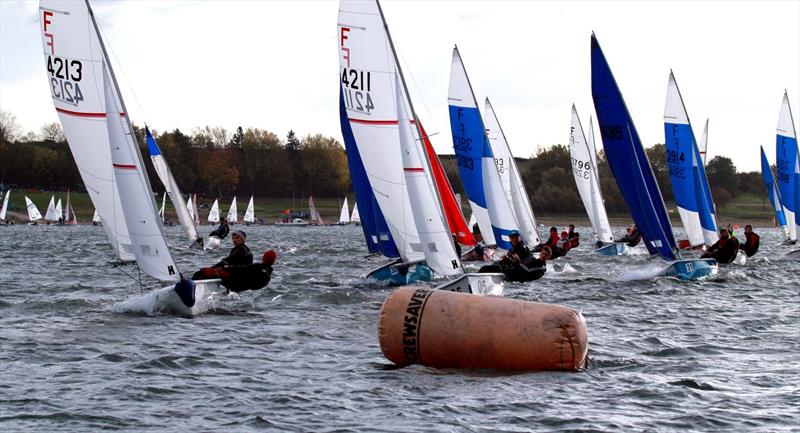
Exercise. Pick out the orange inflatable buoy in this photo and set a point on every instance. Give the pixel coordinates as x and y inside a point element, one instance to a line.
<point>442,329</point>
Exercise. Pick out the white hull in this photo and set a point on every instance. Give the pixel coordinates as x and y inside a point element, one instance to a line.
<point>489,284</point>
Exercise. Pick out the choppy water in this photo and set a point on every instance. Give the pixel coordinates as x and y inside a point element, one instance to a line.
<point>302,354</point>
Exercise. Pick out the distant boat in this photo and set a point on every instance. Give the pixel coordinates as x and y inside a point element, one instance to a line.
<point>788,167</point>
<point>633,173</point>
<point>250,212</point>
<point>344,214</point>
<point>69,213</point>
<point>96,218</point>
<point>354,218</point>
<point>316,218</point>
<point>587,179</point>
<point>232,212</point>
<point>51,214</point>
<point>213,214</point>
<point>163,205</point>
<point>4,208</point>
<point>33,212</point>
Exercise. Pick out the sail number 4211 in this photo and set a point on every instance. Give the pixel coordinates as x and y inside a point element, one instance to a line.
<point>356,85</point>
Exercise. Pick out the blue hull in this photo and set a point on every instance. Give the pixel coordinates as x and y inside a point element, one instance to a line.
<point>396,275</point>
<point>692,269</point>
<point>617,249</point>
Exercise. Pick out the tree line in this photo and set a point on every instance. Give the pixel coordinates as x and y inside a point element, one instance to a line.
<point>213,162</point>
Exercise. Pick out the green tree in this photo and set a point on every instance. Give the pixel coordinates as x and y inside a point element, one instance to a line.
<point>722,173</point>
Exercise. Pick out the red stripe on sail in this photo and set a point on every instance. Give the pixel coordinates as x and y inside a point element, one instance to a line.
<point>83,114</point>
<point>125,166</point>
<point>414,169</point>
<point>374,122</point>
<point>452,210</point>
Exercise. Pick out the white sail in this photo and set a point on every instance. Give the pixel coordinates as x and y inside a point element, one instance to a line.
<point>787,156</point>
<point>185,217</point>
<point>354,218</point>
<point>195,211</point>
<point>250,212</point>
<point>367,76</point>
<point>497,217</point>
<point>71,211</point>
<point>190,207</point>
<point>213,214</point>
<point>232,218</point>
<point>74,59</point>
<point>50,214</point>
<point>584,169</point>
<point>4,209</point>
<point>472,221</point>
<point>344,214</point>
<point>163,206</point>
<point>59,210</point>
<point>434,233</point>
<point>33,212</point>
<point>150,246</point>
<point>704,143</point>
<point>510,177</point>
<point>96,217</point>
<point>313,213</point>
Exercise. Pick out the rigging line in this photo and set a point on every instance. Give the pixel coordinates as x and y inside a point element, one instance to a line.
<point>138,280</point>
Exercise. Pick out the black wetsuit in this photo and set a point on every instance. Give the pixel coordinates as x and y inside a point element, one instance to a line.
<point>250,277</point>
<point>632,239</point>
<point>724,250</point>
<point>221,231</point>
<point>529,269</point>
<point>240,255</point>
<point>751,244</point>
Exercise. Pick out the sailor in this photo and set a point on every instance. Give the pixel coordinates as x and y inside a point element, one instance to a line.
<point>222,230</point>
<point>518,251</point>
<point>477,252</point>
<point>562,246</point>
<point>574,237</point>
<point>724,250</point>
<point>240,255</point>
<point>249,277</point>
<point>752,241</point>
<point>551,241</point>
<point>456,245</point>
<point>632,237</point>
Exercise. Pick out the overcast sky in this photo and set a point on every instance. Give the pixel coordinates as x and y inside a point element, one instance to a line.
<point>274,65</point>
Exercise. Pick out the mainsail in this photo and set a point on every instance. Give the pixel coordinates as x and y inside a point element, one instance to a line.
<point>232,217</point>
<point>628,160</point>
<point>344,214</point>
<point>171,186</point>
<point>510,177</point>
<point>787,164</point>
<point>773,193</point>
<point>4,209</point>
<point>250,212</point>
<point>354,218</point>
<point>584,169</point>
<point>213,214</point>
<point>51,214</point>
<point>316,218</point>
<point>476,161</point>
<point>687,173</point>
<point>33,212</point>
<point>74,58</point>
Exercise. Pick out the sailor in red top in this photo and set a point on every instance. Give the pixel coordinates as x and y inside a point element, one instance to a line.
<point>752,241</point>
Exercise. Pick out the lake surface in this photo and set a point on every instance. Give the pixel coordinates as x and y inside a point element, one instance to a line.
<point>77,354</point>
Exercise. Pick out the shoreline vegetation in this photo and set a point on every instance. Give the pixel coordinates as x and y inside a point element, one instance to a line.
<point>282,172</point>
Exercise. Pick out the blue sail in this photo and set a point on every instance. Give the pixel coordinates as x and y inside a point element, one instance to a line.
<point>786,161</point>
<point>772,189</point>
<point>376,231</point>
<point>628,160</point>
<point>151,143</point>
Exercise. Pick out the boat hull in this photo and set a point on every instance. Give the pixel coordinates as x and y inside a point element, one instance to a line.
<point>192,299</point>
<point>477,284</point>
<point>212,243</point>
<point>692,269</point>
<point>615,249</point>
<point>399,274</point>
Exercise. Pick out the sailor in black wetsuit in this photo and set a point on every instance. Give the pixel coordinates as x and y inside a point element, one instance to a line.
<point>240,255</point>
<point>249,277</point>
<point>518,264</point>
<point>222,230</point>
<point>632,238</point>
<point>752,241</point>
<point>724,250</point>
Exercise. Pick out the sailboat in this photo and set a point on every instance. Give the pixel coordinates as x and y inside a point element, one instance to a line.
<point>774,195</point>
<point>354,217</point>
<point>344,214</point>
<point>33,212</point>
<point>51,214</point>
<point>250,212</point>
<point>191,207</point>
<point>687,172</point>
<point>476,163</point>
<point>510,178</point>
<point>171,188</point>
<point>232,212</point>
<point>96,218</point>
<point>69,213</point>
<point>314,215</point>
<point>386,123</point>
<point>587,179</point>
<point>213,214</point>
<point>101,139</point>
<point>4,208</point>
<point>704,144</point>
<point>633,173</point>
<point>788,172</point>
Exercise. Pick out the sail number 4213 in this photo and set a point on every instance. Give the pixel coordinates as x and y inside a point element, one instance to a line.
<point>64,77</point>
